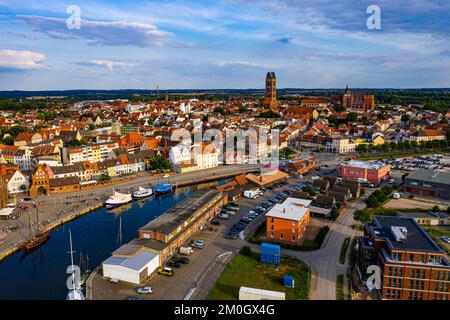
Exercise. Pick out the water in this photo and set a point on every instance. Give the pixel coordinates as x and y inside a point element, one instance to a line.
<point>41,274</point>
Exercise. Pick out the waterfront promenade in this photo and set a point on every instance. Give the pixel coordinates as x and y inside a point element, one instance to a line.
<point>58,209</point>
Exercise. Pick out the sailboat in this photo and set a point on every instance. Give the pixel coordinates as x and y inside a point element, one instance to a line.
<point>37,238</point>
<point>75,292</point>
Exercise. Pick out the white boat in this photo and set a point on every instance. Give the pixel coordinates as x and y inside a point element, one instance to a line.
<point>118,199</point>
<point>142,193</point>
<point>74,282</point>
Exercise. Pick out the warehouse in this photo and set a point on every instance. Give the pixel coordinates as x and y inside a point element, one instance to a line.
<point>429,183</point>
<point>131,263</point>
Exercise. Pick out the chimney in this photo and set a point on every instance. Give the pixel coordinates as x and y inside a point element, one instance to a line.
<point>284,210</point>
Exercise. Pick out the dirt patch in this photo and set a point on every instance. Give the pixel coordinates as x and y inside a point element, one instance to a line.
<point>409,204</point>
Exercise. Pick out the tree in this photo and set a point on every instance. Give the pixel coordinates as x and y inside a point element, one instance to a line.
<point>405,118</point>
<point>245,251</point>
<point>269,114</point>
<point>23,187</point>
<point>436,208</point>
<point>352,116</point>
<point>105,177</point>
<point>74,143</point>
<point>8,141</point>
<point>160,163</point>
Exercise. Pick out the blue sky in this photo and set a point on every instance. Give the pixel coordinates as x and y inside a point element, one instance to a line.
<point>223,44</point>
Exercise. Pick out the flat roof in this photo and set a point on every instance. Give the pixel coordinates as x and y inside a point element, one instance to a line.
<point>6,211</point>
<point>182,212</point>
<point>416,240</point>
<point>290,209</point>
<point>426,175</point>
<point>137,262</point>
<point>365,164</point>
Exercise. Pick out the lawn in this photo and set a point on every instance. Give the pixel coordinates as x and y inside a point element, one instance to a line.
<point>247,271</point>
<point>340,287</point>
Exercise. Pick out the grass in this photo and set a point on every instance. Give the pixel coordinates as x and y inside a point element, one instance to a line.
<point>307,245</point>
<point>344,249</point>
<point>340,287</point>
<point>247,271</point>
<point>436,234</point>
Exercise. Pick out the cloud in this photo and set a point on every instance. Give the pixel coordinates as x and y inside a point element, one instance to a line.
<point>109,64</point>
<point>106,33</point>
<point>14,60</point>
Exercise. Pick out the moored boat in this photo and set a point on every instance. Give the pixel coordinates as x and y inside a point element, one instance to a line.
<point>118,199</point>
<point>162,188</point>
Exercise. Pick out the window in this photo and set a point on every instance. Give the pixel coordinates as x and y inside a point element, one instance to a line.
<point>281,236</point>
<point>293,238</point>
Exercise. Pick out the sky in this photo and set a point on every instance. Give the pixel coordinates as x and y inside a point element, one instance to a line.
<point>199,44</point>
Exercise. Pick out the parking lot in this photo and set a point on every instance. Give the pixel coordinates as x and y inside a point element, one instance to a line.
<point>202,261</point>
<point>433,162</point>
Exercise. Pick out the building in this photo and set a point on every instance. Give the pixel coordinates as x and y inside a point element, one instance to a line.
<point>428,218</point>
<point>287,221</point>
<point>92,153</point>
<point>3,193</point>
<point>413,266</point>
<point>270,97</point>
<point>372,172</point>
<point>162,237</point>
<point>206,156</point>
<point>302,166</point>
<point>429,183</point>
<point>427,135</point>
<point>17,182</point>
<point>358,101</point>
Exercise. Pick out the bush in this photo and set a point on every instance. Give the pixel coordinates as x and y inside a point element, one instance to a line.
<point>245,251</point>
<point>362,215</point>
<point>436,209</point>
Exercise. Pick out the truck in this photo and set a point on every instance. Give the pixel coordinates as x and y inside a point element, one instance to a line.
<point>186,250</point>
<point>251,194</point>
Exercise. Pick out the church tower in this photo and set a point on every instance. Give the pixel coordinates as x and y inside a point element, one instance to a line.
<point>270,98</point>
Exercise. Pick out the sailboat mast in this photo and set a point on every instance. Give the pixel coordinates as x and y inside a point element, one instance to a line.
<point>37,219</point>
<point>29,225</point>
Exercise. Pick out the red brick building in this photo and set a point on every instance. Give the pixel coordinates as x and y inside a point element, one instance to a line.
<point>373,172</point>
<point>413,266</point>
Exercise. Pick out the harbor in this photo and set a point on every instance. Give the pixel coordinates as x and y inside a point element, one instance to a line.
<point>41,273</point>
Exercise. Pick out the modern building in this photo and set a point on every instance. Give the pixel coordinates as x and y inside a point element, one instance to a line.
<point>429,183</point>
<point>412,265</point>
<point>270,97</point>
<point>288,221</point>
<point>92,153</point>
<point>372,172</point>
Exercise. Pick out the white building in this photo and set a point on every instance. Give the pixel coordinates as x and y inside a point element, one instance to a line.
<point>180,153</point>
<point>206,156</point>
<point>15,183</point>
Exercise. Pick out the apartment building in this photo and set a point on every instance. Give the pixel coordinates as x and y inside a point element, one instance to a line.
<point>92,153</point>
<point>412,265</point>
<point>288,221</point>
<point>429,183</point>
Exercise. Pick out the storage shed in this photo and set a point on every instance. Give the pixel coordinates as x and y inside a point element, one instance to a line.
<point>270,253</point>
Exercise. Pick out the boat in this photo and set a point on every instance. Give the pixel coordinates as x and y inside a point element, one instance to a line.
<point>74,284</point>
<point>118,199</point>
<point>142,193</point>
<point>162,188</point>
<point>35,238</point>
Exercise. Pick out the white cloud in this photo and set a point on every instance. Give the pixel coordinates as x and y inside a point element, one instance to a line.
<point>109,64</point>
<point>20,60</point>
<point>109,33</point>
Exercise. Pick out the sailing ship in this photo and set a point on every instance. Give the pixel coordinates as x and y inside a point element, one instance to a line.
<point>35,238</point>
<point>75,292</point>
<point>118,199</point>
<point>142,193</point>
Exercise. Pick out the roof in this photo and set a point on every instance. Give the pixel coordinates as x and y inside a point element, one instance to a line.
<point>365,165</point>
<point>290,209</point>
<point>417,239</point>
<point>137,262</point>
<point>430,176</point>
<point>267,178</point>
<point>182,212</point>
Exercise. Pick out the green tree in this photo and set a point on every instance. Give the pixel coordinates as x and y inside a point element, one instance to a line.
<point>160,163</point>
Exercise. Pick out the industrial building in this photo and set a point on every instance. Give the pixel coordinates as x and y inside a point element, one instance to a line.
<point>429,183</point>
<point>371,172</point>
<point>162,237</point>
<point>412,265</point>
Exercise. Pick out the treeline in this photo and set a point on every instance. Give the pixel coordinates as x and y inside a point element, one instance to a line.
<point>404,146</point>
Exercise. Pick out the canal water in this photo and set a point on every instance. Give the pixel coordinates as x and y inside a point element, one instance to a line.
<point>41,274</point>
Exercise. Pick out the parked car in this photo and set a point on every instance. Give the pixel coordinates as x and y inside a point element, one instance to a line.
<point>166,271</point>
<point>144,290</point>
<point>174,264</point>
<point>183,260</point>
<point>239,226</point>
<point>225,216</point>
<point>199,244</point>
<point>231,235</point>
<point>446,239</point>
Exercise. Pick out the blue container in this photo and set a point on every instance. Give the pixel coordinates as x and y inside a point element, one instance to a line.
<point>288,281</point>
<point>270,253</point>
